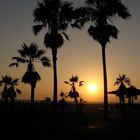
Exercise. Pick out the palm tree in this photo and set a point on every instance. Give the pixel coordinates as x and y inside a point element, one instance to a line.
<point>122,81</point>
<point>30,54</point>
<point>4,82</point>
<point>10,90</point>
<point>62,102</point>
<point>101,13</point>
<point>73,93</point>
<point>55,15</point>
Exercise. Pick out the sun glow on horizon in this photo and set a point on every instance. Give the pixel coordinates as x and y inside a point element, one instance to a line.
<point>92,88</point>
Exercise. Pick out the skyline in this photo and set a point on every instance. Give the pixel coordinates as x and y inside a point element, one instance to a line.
<point>122,54</point>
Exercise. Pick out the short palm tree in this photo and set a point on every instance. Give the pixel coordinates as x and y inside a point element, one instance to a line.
<point>73,93</point>
<point>62,102</point>
<point>5,83</point>
<point>10,90</point>
<point>55,15</point>
<point>13,90</point>
<point>29,55</point>
<point>101,13</point>
<point>122,81</point>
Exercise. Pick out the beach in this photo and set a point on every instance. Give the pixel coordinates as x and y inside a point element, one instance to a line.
<point>22,123</point>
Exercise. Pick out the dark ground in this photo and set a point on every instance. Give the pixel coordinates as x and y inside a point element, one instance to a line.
<point>42,124</point>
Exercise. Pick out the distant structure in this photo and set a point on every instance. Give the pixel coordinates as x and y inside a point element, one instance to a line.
<point>130,92</point>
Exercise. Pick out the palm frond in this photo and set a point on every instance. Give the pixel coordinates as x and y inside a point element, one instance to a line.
<point>81,83</point>
<point>66,36</point>
<point>74,79</point>
<point>62,94</point>
<point>102,33</point>
<point>40,11</point>
<point>66,82</point>
<point>76,24</point>
<point>37,28</point>
<point>81,16</point>
<point>33,50</point>
<point>15,81</point>
<point>7,79</point>
<point>121,10</point>
<point>13,64</point>
<point>20,60</point>
<point>18,91</point>
<point>107,9</point>
<point>45,62</point>
<point>65,15</point>
<point>116,83</point>
<point>39,53</point>
<point>127,81</point>
<point>24,51</point>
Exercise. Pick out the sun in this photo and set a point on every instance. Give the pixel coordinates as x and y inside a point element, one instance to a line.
<point>92,88</point>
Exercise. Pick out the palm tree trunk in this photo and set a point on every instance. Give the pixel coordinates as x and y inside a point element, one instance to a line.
<point>32,97</point>
<point>54,53</point>
<point>106,113</point>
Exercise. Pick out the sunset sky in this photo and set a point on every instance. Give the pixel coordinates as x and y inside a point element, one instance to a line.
<point>80,56</point>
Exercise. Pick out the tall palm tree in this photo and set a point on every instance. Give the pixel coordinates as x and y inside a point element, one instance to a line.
<point>101,14</point>
<point>30,54</point>
<point>122,81</point>
<point>55,15</point>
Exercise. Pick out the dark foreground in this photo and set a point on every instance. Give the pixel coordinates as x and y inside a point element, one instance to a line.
<point>42,124</point>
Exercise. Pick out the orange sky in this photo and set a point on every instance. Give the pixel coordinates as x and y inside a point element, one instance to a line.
<point>80,56</point>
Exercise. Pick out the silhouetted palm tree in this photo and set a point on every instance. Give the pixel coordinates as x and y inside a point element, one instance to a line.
<point>4,82</point>
<point>122,81</point>
<point>101,13</point>
<point>55,15</point>
<point>62,102</point>
<point>30,54</point>
<point>10,90</point>
<point>73,93</point>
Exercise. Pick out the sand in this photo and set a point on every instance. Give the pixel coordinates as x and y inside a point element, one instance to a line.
<point>22,123</point>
